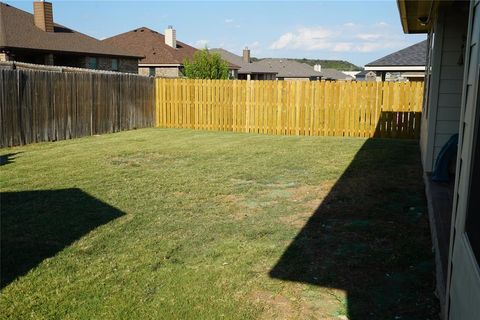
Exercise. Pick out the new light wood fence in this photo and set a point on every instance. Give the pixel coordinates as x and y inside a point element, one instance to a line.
<point>47,106</point>
<point>360,109</point>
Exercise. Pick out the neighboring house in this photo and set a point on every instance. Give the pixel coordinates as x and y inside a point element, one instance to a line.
<point>248,70</point>
<point>332,74</point>
<point>163,54</point>
<point>452,106</point>
<point>289,69</point>
<point>404,65</point>
<point>352,74</point>
<point>38,39</point>
<point>366,76</point>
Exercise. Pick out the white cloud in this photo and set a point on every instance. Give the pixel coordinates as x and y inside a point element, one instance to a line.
<point>201,43</point>
<point>306,38</point>
<point>342,47</point>
<point>254,45</point>
<point>228,20</point>
<point>341,39</point>
<point>369,36</point>
<point>376,46</point>
<point>381,24</point>
<point>282,42</point>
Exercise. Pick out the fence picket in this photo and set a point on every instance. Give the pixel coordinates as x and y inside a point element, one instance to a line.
<point>325,108</point>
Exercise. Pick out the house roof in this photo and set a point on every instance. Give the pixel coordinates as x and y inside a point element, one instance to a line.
<point>151,44</point>
<point>334,74</point>
<point>18,31</point>
<point>289,68</point>
<point>362,73</point>
<point>415,55</point>
<point>245,68</point>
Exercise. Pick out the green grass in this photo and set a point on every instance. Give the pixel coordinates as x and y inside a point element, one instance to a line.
<point>181,224</point>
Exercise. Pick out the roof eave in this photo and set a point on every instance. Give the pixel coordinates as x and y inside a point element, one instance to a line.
<point>394,68</point>
<point>412,11</point>
<point>118,55</point>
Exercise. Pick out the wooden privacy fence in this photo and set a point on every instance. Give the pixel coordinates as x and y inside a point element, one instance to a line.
<point>319,108</point>
<point>47,106</point>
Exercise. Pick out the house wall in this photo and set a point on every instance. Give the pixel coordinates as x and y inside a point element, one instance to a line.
<point>451,79</point>
<point>162,72</point>
<point>257,76</point>
<point>105,63</point>
<point>442,113</point>
<point>427,95</point>
<point>233,74</point>
<point>294,79</point>
<point>463,289</point>
<point>4,56</point>
<point>128,65</point>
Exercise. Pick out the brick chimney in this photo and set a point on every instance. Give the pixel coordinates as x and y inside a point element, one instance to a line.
<point>43,15</point>
<point>246,55</point>
<point>171,37</point>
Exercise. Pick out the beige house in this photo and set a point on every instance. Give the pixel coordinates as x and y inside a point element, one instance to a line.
<point>452,106</point>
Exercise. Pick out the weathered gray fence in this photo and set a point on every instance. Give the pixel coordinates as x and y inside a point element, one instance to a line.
<point>47,106</point>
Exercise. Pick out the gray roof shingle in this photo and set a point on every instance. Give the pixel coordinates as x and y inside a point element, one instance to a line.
<point>245,68</point>
<point>289,68</point>
<point>334,74</point>
<point>415,55</point>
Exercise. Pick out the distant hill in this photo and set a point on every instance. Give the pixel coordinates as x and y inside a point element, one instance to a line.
<point>329,64</point>
<point>341,65</point>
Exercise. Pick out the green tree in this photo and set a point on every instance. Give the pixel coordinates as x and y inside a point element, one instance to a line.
<point>206,65</point>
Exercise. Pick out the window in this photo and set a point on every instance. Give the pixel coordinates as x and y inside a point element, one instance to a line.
<point>115,64</point>
<point>92,63</point>
<point>151,71</point>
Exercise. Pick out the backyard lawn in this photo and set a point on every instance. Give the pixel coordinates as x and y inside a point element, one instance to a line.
<point>183,224</point>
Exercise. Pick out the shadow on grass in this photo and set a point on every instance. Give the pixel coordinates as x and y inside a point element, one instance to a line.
<point>370,237</point>
<point>36,225</point>
<point>8,158</point>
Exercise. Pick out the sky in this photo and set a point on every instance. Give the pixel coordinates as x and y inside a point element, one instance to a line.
<point>356,31</point>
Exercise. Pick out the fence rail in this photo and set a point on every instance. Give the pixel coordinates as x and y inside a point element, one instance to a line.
<point>47,106</point>
<point>360,109</point>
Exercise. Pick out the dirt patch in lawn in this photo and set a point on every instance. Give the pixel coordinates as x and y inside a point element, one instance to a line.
<point>308,192</point>
<point>275,306</point>
<point>309,199</point>
<point>303,199</point>
<point>243,207</point>
<point>298,302</point>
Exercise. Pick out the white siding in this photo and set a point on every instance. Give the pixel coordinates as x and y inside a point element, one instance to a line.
<point>451,79</point>
<point>430,96</point>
